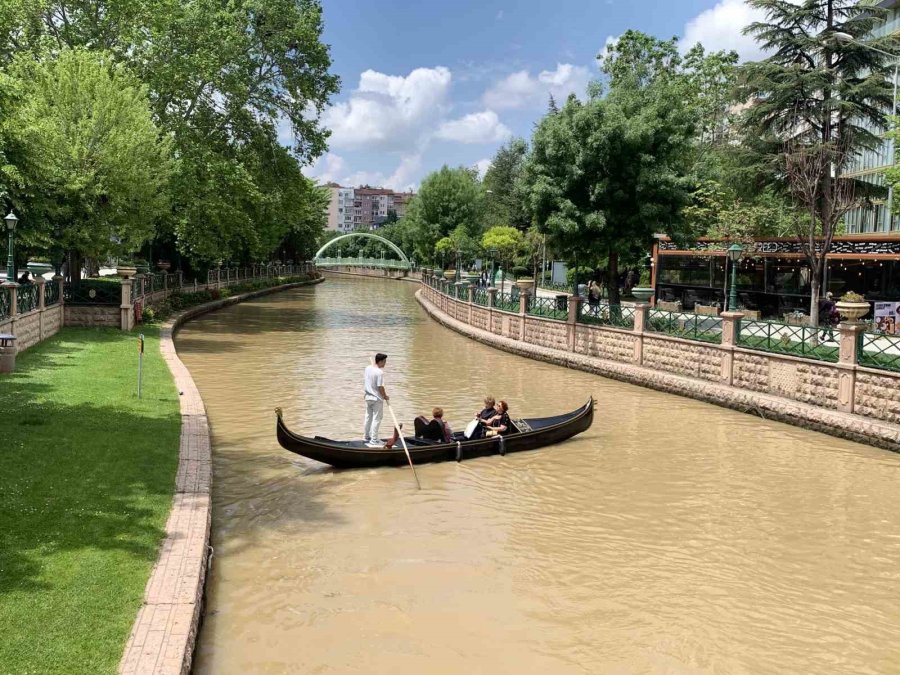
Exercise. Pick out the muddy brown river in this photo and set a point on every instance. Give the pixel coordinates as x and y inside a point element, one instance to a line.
<point>672,537</point>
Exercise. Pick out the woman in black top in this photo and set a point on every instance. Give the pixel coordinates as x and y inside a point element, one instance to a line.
<point>500,423</point>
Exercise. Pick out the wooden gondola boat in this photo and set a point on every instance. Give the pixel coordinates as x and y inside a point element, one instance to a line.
<point>529,434</point>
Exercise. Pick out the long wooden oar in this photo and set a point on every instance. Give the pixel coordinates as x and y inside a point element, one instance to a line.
<point>403,441</point>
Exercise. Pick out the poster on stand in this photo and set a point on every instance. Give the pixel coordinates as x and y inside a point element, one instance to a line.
<point>558,274</point>
<point>886,317</point>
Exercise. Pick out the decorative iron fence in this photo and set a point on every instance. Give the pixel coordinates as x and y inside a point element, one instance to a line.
<point>88,292</point>
<point>51,293</point>
<point>5,302</point>
<point>782,338</point>
<point>547,286</point>
<point>550,308</point>
<point>172,279</point>
<point>27,298</point>
<point>616,316</point>
<point>506,302</point>
<point>877,350</point>
<point>687,326</point>
<point>480,297</point>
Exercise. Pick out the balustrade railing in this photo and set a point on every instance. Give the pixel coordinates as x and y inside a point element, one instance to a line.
<point>773,336</point>
<point>51,293</point>
<point>480,297</point>
<point>615,316</point>
<point>688,326</point>
<point>550,308</point>
<point>506,302</point>
<point>5,303</point>
<point>878,350</point>
<point>92,292</point>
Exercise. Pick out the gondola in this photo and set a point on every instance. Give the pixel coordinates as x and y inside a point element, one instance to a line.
<point>528,434</point>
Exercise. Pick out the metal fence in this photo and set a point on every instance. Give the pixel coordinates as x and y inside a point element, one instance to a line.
<point>27,298</point>
<point>877,350</point>
<point>616,316</point>
<point>782,338</point>
<point>51,293</point>
<point>92,292</point>
<point>5,302</point>
<point>507,302</point>
<point>480,297</point>
<point>687,326</point>
<point>549,307</point>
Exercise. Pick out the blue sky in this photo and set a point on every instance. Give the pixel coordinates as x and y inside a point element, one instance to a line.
<point>426,83</point>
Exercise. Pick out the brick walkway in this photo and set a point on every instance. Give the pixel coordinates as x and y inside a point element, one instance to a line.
<point>163,635</point>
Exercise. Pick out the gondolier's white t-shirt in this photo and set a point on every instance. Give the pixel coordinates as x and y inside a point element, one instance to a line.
<point>374,378</point>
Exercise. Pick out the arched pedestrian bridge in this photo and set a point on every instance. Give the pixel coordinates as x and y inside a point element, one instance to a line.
<point>388,263</point>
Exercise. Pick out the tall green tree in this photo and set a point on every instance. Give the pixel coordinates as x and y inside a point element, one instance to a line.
<point>224,80</point>
<point>447,199</point>
<point>819,102</point>
<point>502,243</point>
<point>503,204</point>
<point>83,154</point>
<point>605,175</point>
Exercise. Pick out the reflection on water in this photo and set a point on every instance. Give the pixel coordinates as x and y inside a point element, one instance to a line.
<point>672,537</point>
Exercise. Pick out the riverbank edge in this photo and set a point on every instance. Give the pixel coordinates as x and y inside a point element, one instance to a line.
<point>843,425</point>
<point>164,633</point>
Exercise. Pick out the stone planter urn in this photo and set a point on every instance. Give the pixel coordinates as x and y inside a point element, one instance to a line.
<point>852,312</point>
<point>126,271</point>
<point>450,275</point>
<point>164,265</point>
<point>525,284</point>
<point>642,293</point>
<point>38,269</point>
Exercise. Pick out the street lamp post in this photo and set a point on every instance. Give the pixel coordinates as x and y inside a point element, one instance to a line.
<point>493,253</point>
<point>11,222</point>
<point>457,265</point>
<point>847,38</point>
<point>734,254</point>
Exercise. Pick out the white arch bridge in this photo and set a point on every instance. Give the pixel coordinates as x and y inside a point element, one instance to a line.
<point>389,263</point>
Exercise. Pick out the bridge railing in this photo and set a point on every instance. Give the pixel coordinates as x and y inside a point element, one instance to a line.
<point>380,263</point>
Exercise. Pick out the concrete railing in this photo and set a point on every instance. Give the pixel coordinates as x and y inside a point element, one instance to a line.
<point>844,386</point>
<point>29,321</point>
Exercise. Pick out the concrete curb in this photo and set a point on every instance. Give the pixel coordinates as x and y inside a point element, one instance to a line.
<point>164,633</point>
<point>843,425</point>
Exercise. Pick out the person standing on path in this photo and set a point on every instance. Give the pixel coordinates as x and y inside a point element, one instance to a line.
<point>375,397</point>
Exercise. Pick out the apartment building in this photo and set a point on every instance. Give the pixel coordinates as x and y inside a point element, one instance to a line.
<point>351,208</point>
<point>870,165</point>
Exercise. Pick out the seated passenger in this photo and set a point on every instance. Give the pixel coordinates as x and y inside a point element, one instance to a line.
<point>487,413</point>
<point>500,423</point>
<point>435,430</point>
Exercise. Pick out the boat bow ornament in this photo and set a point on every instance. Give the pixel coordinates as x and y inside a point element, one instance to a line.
<point>403,263</point>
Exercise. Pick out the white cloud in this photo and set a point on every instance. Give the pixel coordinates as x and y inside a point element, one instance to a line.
<point>390,112</point>
<point>482,165</point>
<point>404,177</point>
<point>327,168</point>
<point>480,127</point>
<point>522,90</point>
<point>720,28</point>
<point>611,41</point>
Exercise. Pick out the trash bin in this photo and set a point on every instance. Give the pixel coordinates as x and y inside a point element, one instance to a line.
<point>7,353</point>
<point>562,302</point>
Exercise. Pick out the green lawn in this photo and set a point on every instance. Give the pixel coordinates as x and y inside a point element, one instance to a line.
<point>87,473</point>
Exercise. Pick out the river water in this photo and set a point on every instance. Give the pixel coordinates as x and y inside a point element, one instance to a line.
<point>672,537</point>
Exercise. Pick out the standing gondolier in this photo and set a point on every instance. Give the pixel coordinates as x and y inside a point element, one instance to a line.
<point>375,397</point>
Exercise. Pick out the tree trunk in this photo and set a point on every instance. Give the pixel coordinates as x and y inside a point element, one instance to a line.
<point>815,285</point>
<point>613,279</point>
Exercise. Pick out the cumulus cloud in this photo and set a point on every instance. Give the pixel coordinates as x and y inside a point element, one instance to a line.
<point>522,90</point>
<point>327,168</point>
<point>480,127</point>
<point>611,41</point>
<point>390,112</point>
<point>720,28</point>
<point>482,165</point>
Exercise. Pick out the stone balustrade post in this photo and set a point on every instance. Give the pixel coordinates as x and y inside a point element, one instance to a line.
<point>61,281</point>
<point>641,315</point>
<point>126,309</point>
<point>573,303</point>
<point>470,297</point>
<point>40,282</point>
<point>13,300</point>
<point>848,361</point>
<point>524,304</point>
<point>492,297</point>
<point>731,331</point>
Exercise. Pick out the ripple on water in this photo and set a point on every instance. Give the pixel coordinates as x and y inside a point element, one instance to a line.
<point>672,537</point>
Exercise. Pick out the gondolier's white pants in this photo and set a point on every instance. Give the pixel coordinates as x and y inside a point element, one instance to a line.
<point>374,413</point>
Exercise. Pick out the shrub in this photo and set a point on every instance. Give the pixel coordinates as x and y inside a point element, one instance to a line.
<point>850,296</point>
<point>148,314</point>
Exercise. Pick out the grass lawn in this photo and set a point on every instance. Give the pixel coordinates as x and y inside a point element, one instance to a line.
<point>87,474</point>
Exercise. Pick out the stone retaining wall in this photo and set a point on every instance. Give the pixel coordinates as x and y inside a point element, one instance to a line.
<point>842,398</point>
<point>164,633</point>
